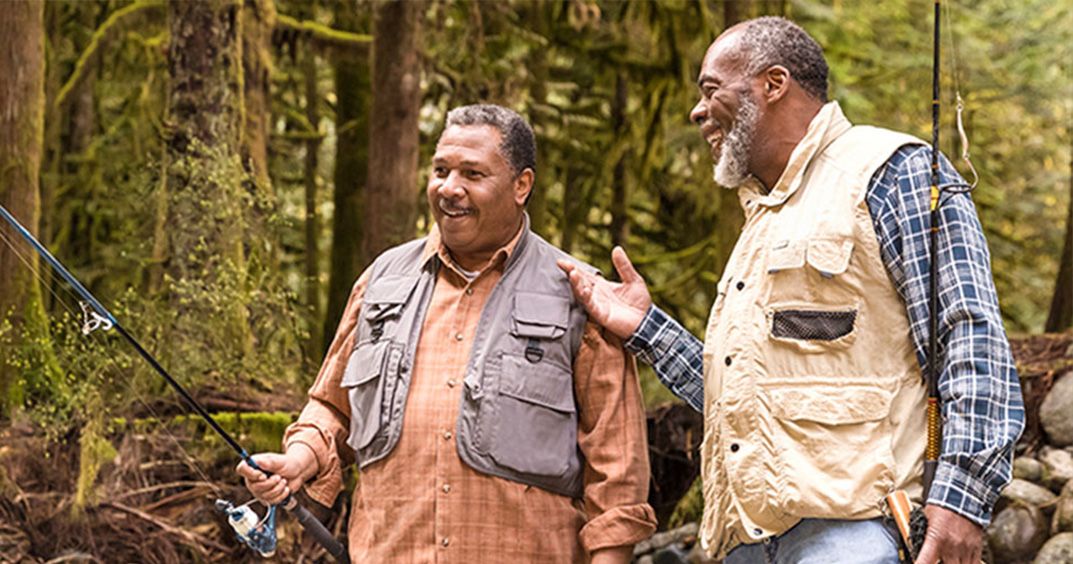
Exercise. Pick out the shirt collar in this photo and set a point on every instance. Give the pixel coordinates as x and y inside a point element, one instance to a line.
<point>828,124</point>
<point>435,247</point>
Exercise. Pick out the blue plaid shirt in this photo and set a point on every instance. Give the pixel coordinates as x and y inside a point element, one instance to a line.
<point>983,412</point>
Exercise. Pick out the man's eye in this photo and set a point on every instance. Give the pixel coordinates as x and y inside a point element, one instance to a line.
<point>439,171</point>
<point>474,174</point>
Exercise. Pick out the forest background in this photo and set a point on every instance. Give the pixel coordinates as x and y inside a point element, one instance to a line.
<point>219,172</point>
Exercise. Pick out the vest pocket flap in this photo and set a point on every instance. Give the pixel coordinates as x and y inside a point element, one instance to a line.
<point>831,404</point>
<point>786,255</point>
<point>365,364</point>
<point>539,383</point>
<point>829,257</point>
<point>540,316</point>
<point>385,296</point>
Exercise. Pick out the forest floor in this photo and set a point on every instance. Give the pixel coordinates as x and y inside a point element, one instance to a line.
<point>153,500</point>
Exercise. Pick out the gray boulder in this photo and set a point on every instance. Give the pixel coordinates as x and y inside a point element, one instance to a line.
<point>1017,533</point>
<point>1062,521</point>
<point>1057,550</point>
<point>1027,493</point>
<point>1059,467</point>
<point>1056,412</point>
<point>1027,468</point>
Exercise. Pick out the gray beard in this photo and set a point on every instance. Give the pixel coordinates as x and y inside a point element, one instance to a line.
<point>732,168</point>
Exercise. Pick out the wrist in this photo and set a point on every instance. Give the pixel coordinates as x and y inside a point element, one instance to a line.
<point>306,460</point>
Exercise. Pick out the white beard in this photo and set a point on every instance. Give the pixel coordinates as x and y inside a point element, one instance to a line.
<point>732,168</point>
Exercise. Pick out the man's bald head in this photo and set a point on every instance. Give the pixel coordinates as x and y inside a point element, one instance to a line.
<point>763,42</point>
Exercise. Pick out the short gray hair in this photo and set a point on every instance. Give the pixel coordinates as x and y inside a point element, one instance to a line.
<point>772,40</point>
<point>517,143</point>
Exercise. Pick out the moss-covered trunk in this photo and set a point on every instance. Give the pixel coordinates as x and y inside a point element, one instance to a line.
<point>1060,316</point>
<point>22,116</point>
<point>206,203</point>
<point>258,19</point>
<point>537,15</point>
<point>620,216</point>
<point>392,191</point>
<point>352,90</point>
<point>312,222</point>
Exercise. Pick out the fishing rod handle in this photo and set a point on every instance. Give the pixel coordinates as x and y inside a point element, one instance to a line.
<point>316,529</point>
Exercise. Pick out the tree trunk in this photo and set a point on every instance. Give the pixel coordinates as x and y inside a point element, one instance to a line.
<point>312,223</point>
<point>620,217</point>
<point>258,20</point>
<point>22,117</point>
<point>392,191</point>
<point>352,89</point>
<point>204,177</point>
<point>538,97</point>
<point>1060,317</point>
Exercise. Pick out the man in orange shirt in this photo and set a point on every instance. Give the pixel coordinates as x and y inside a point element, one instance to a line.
<point>491,420</point>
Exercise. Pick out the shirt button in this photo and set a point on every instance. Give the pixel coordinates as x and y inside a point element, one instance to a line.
<point>756,532</point>
<point>726,361</point>
<point>447,435</point>
<point>451,383</point>
<point>447,488</point>
<point>446,541</point>
<point>734,447</point>
<point>469,291</point>
<point>740,286</point>
<point>458,336</point>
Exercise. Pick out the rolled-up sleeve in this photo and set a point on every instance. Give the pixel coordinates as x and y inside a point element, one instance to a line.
<point>324,423</point>
<point>612,436</point>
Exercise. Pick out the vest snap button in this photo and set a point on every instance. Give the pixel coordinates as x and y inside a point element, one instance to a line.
<point>726,361</point>
<point>740,286</point>
<point>734,447</point>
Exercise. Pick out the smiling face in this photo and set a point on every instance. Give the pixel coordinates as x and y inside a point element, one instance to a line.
<point>727,112</point>
<point>475,196</point>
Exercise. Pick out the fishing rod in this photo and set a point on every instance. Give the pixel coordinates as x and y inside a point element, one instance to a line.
<point>257,533</point>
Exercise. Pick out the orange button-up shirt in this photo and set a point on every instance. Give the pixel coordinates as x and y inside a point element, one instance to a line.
<point>422,503</point>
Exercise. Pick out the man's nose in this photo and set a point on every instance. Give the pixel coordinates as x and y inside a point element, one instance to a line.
<point>698,113</point>
<point>452,186</point>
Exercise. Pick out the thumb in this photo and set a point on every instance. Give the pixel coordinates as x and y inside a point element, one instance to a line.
<point>270,462</point>
<point>623,266</point>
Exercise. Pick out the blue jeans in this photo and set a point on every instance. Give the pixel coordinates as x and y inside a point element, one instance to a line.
<point>824,541</point>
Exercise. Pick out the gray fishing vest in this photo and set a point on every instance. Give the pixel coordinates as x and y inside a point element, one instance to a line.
<point>518,416</point>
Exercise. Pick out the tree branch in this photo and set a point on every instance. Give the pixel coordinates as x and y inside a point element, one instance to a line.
<point>324,36</point>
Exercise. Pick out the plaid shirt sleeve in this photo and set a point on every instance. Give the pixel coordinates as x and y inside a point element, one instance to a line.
<point>674,353</point>
<point>983,414</point>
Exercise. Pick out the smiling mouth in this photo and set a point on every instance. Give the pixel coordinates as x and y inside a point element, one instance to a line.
<point>452,211</point>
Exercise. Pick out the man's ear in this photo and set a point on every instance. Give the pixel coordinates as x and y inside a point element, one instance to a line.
<point>776,83</point>
<point>523,185</point>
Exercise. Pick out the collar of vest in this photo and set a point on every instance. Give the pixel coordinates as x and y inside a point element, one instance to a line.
<point>433,242</point>
<point>828,124</point>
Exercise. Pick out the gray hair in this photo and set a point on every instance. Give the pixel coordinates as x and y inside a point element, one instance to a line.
<point>772,40</point>
<point>517,144</point>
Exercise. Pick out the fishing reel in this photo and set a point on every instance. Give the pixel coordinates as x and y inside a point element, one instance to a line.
<point>258,533</point>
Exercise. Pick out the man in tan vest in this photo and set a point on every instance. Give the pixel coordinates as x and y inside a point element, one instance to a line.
<point>809,376</point>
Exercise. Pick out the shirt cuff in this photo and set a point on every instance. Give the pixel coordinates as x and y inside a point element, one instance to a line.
<point>959,491</point>
<point>328,482</point>
<point>643,341</point>
<point>620,526</point>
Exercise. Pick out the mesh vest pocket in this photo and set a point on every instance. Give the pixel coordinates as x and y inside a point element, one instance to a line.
<point>811,325</point>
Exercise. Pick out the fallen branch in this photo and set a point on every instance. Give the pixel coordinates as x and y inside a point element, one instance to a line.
<point>193,540</point>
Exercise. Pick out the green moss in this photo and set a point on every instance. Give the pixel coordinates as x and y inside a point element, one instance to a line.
<point>94,451</point>
<point>690,508</point>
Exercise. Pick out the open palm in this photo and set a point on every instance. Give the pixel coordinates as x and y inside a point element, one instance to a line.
<point>618,306</point>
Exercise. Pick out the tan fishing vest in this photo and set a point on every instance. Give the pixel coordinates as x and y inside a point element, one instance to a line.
<point>814,401</point>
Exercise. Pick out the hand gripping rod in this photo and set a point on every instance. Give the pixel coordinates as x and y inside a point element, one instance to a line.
<point>310,523</point>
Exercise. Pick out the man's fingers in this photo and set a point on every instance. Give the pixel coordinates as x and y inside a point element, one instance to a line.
<point>929,553</point>
<point>623,266</point>
<point>246,471</point>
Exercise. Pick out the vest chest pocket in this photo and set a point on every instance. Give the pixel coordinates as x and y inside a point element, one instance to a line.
<point>811,299</point>
<point>536,427</point>
<point>369,378</point>
<point>383,303</point>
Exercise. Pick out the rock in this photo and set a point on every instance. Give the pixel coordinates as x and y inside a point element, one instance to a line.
<point>1017,533</point>
<point>1062,521</point>
<point>1027,468</point>
<point>1057,550</point>
<point>1027,493</point>
<point>1059,465</point>
<point>1056,412</point>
